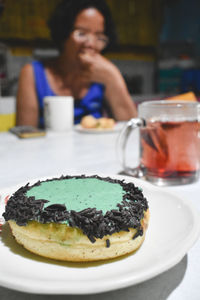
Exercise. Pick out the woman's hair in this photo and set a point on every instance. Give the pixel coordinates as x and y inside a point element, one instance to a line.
<point>62,21</point>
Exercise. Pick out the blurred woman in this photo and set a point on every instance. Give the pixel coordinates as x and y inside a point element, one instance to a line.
<point>81,30</point>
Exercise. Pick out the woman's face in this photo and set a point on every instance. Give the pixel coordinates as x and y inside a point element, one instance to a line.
<point>88,34</point>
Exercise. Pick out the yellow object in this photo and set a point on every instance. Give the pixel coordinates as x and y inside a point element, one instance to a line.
<point>190,96</point>
<point>7,121</point>
<point>21,51</point>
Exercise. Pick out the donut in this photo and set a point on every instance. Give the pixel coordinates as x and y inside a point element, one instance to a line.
<point>79,218</point>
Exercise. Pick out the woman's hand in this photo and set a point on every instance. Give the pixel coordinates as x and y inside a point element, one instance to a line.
<point>96,68</point>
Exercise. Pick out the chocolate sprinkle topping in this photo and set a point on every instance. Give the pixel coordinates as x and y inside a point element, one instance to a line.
<point>107,243</point>
<point>92,222</point>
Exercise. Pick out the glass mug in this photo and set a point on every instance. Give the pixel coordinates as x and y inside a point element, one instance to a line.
<point>169,142</point>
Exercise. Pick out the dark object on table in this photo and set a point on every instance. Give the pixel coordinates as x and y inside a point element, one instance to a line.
<point>27,131</point>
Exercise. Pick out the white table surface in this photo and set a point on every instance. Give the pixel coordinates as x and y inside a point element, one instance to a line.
<point>80,153</point>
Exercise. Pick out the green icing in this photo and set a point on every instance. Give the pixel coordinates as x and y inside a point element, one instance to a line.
<point>79,194</point>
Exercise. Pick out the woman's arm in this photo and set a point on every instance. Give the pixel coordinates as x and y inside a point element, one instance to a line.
<point>118,97</point>
<point>27,104</point>
<point>98,68</point>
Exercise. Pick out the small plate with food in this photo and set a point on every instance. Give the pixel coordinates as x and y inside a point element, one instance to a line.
<point>90,124</point>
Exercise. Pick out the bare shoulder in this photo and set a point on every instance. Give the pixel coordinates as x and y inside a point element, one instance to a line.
<point>26,73</point>
<point>27,70</point>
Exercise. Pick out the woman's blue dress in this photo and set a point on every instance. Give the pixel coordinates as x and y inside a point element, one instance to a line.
<point>91,104</point>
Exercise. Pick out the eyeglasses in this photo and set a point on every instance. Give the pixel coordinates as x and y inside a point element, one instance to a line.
<point>82,36</point>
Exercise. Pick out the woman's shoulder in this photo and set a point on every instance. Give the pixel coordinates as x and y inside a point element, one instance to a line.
<point>27,68</point>
<point>35,64</point>
<point>31,68</point>
<point>35,68</point>
<point>26,71</point>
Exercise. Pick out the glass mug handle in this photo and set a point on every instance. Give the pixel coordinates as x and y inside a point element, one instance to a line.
<point>122,143</point>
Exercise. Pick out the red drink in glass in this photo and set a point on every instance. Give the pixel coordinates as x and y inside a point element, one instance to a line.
<point>171,149</point>
<point>169,142</point>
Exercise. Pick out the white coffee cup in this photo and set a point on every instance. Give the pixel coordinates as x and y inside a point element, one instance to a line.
<point>59,112</point>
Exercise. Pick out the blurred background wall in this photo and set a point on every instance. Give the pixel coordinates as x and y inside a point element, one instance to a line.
<point>158,51</point>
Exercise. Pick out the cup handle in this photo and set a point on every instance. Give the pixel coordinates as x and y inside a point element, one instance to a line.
<point>122,143</point>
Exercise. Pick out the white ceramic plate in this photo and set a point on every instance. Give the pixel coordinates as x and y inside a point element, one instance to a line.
<point>117,128</point>
<point>174,227</point>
